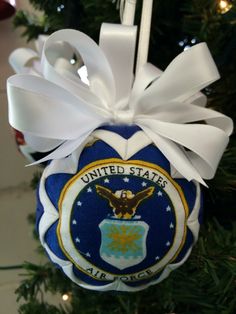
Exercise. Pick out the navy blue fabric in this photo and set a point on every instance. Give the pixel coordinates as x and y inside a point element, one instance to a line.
<point>126,131</point>
<point>52,241</point>
<point>87,279</point>
<point>39,210</point>
<point>89,234</point>
<point>54,184</point>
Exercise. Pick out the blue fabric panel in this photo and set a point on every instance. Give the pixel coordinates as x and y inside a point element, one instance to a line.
<point>52,241</point>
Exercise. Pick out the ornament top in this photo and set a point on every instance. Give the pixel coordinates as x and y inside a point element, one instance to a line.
<point>165,108</point>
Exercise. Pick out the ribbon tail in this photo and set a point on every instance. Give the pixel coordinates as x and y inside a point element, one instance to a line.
<point>207,144</point>
<point>69,164</point>
<point>41,144</point>
<point>183,113</point>
<point>66,148</point>
<point>175,154</point>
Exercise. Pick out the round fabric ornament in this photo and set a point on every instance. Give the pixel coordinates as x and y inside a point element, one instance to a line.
<point>113,217</point>
<point>119,206</point>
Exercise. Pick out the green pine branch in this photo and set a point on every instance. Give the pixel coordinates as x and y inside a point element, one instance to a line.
<point>205,284</point>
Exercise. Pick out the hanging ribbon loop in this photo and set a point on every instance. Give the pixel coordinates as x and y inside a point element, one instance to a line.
<point>118,44</point>
<point>166,105</point>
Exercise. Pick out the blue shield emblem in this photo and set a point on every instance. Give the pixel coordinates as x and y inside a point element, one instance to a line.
<point>123,242</point>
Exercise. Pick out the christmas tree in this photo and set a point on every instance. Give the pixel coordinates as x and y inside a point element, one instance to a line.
<point>206,282</point>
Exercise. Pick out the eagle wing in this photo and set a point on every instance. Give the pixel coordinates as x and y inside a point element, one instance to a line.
<point>140,196</point>
<point>106,193</point>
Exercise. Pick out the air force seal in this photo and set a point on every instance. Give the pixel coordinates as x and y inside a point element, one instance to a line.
<point>116,224</point>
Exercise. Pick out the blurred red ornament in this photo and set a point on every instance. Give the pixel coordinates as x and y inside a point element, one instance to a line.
<point>7,8</point>
<point>19,137</point>
<point>30,154</point>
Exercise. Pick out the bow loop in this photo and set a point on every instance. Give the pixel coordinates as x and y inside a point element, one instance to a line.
<point>26,60</point>
<point>20,58</point>
<point>100,76</point>
<point>49,111</point>
<point>186,75</point>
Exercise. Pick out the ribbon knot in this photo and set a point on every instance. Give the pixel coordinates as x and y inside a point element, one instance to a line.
<point>58,111</point>
<point>124,117</point>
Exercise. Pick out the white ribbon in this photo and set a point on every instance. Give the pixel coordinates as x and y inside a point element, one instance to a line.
<point>127,11</point>
<point>61,112</point>
<point>26,60</point>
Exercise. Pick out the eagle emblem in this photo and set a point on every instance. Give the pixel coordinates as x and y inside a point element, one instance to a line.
<point>123,202</point>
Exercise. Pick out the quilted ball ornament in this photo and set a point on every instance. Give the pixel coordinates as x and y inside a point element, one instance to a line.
<point>119,206</point>
<point>113,217</point>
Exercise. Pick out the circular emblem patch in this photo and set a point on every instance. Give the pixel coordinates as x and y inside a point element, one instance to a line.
<point>122,220</point>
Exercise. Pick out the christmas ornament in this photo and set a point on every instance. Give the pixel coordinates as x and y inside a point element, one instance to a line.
<point>119,204</point>
<point>7,8</point>
<point>112,223</point>
<point>25,149</point>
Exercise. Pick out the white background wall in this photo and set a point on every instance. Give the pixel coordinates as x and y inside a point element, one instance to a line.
<point>17,199</point>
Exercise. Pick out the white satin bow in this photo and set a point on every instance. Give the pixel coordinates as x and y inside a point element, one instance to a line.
<point>61,112</point>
